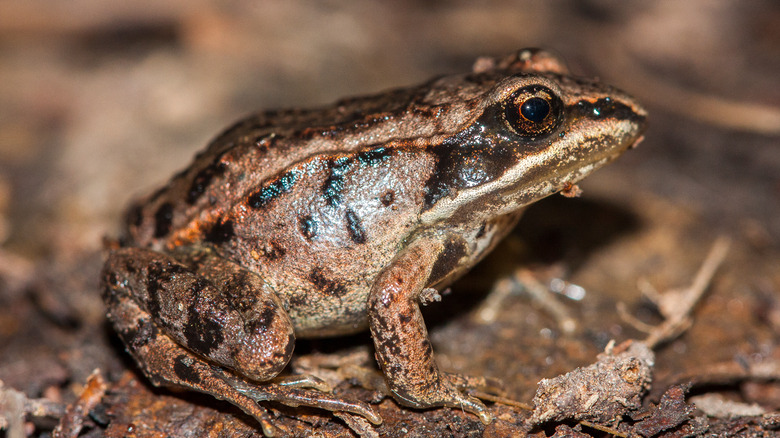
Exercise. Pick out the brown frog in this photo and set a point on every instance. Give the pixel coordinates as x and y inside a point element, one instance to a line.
<point>322,222</point>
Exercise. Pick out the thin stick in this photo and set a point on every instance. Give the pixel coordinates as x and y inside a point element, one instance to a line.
<point>678,320</point>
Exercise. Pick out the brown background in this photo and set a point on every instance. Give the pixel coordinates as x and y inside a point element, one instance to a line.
<point>103,101</point>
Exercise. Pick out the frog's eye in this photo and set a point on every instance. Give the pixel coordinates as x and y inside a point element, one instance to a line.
<point>533,111</point>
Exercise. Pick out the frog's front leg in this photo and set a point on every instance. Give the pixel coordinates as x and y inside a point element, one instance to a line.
<point>403,349</point>
<point>172,311</point>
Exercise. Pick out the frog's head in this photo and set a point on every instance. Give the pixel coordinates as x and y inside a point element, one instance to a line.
<point>531,135</point>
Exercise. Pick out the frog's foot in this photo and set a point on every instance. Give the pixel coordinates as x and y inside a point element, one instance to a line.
<point>451,394</point>
<point>290,393</point>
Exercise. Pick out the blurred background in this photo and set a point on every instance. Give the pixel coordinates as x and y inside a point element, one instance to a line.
<point>101,102</point>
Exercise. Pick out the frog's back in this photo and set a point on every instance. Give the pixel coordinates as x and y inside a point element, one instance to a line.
<point>302,196</point>
<point>260,150</point>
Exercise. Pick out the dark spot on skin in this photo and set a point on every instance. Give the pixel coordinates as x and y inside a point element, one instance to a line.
<point>392,345</point>
<point>145,333</point>
<point>153,286</point>
<point>428,111</point>
<point>388,198</point>
<point>262,322</point>
<point>326,285</point>
<point>427,348</point>
<point>260,198</point>
<point>394,370</point>
<point>448,259</point>
<point>130,267</point>
<point>334,183</point>
<point>135,216</point>
<point>202,333</point>
<point>405,318</point>
<point>298,300</point>
<point>241,290</point>
<point>220,232</point>
<point>274,250</point>
<point>157,274</point>
<point>111,289</point>
<point>203,179</point>
<point>308,226</point>
<point>481,231</point>
<point>184,371</point>
<point>355,227</point>
<point>163,219</point>
<point>374,156</point>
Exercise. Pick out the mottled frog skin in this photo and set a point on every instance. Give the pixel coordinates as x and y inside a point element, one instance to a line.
<point>320,222</point>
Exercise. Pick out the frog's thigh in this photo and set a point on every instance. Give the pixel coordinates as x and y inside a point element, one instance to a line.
<point>241,326</point>
<point>403,349</point>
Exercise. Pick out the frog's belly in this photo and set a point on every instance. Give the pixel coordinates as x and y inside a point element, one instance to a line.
<point>319,315</point>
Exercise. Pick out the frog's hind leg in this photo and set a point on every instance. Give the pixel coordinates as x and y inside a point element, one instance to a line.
<point>219,311</point>
<point>166,363</point>
<point>242,328</point>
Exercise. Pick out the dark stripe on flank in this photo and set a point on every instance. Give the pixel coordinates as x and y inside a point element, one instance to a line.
<point>203,179</point>
<point>374,156</point>
<point>355,227</point>
<point>446,262</point>
<point>334,184</point>
<point>283,184</point>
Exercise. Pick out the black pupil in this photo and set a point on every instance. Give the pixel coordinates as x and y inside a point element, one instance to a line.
<point>535,109</point>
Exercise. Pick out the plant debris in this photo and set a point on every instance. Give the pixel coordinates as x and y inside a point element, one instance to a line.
<point>671,412</point>
<point>602,392</point>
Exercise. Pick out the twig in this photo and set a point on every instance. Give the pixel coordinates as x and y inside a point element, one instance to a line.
<point>15,406</point>
<point>717,110</point>
<point>539,293</point>
<point>677,305</point>
<point>73,420</point>
<point>501,400</point>
<point>609,430</point>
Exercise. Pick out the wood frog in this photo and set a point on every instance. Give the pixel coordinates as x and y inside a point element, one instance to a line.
<point>304,223</point>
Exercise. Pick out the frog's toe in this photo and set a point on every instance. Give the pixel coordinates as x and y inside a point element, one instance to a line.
<point>487,385</point>
<point>470,404</point>
<point>293,396</point>
<point>303,381</point>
